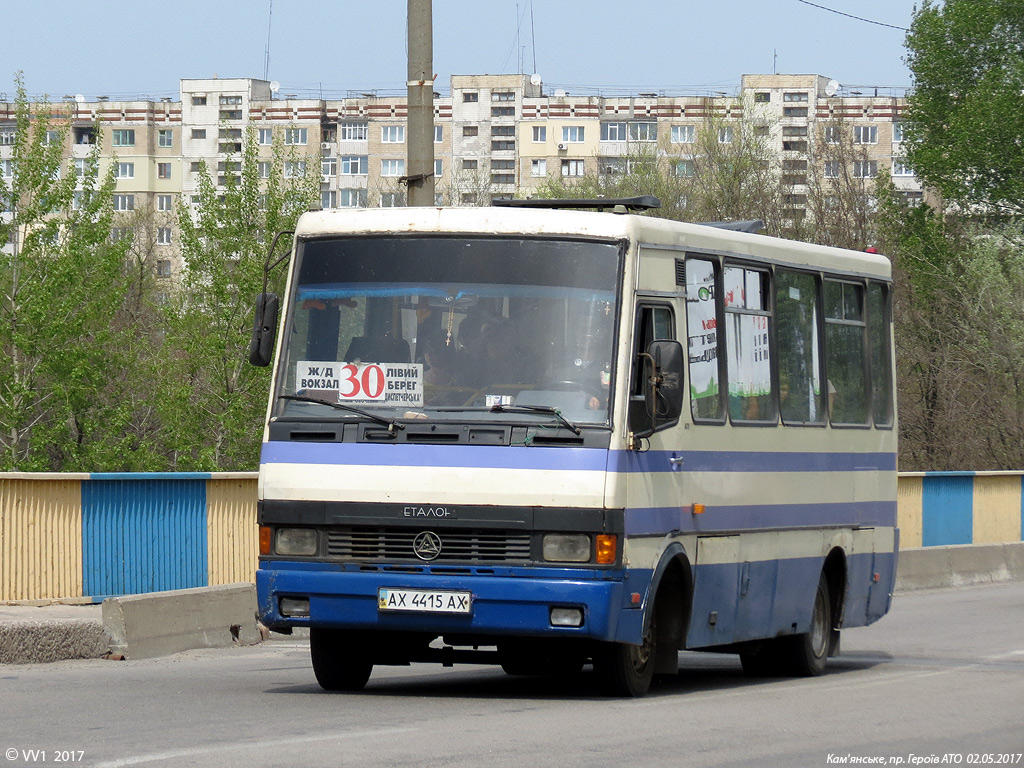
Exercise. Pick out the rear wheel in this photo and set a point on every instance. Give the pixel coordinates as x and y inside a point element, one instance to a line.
<point>802,655</point>
<point>626,670</point>
<point>341,660</point>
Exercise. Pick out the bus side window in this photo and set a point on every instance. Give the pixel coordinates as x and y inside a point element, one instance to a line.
<point>846,353</point>
<point>881,357</point>
<point>654,321</point>
<point>797,327</point>
<point>747,343</point>
<point>702,340</point>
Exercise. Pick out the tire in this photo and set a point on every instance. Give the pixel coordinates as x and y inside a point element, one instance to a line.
<point>802,655</point>
<point>341,662</point>
<point>627,670</point>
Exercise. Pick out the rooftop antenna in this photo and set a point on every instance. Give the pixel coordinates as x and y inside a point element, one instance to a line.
<point>533,38</point>
<point>266,55</point>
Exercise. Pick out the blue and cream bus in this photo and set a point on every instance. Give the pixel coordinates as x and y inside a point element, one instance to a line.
<point>547,438</point>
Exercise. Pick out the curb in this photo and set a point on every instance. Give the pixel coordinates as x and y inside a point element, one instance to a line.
<point>961,565</point>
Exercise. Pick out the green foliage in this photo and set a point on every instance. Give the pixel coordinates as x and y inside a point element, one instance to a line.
<point>60,282</point>
<point>213,402</point>
<point>965,119</point>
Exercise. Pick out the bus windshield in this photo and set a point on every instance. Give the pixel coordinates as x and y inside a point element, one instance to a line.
<point>428,326</point>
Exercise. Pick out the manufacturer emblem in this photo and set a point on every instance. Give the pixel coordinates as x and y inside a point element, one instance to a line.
<point>426,545</point>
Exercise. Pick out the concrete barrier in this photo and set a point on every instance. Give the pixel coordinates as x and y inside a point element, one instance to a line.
<point>161,623</point>
<point>959,566</point>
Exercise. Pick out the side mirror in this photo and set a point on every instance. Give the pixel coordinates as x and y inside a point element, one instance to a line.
<point>663,384</point>
<point>264,329</point>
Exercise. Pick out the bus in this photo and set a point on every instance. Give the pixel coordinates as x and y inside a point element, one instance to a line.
<point>547,437</point>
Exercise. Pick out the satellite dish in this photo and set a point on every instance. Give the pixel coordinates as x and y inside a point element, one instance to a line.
<point>274,86</point>
<point>79,98</point>
<point>832,88</point>
<point>535,79</point>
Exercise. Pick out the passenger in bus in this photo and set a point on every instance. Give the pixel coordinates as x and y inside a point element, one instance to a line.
<point>438,371</point>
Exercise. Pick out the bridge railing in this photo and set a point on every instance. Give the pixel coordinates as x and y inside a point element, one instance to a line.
<point>96,535</point>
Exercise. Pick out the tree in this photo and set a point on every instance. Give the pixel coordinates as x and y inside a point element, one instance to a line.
<point>964,124</point>
<point>61,279</point>
<point>213,401</point>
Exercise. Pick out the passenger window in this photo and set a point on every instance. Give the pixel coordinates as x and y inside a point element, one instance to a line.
<point>797,330</point>
<point>845,353</point>
<point>702,340</point>
<point>881,357</point>
<point>748,349</point>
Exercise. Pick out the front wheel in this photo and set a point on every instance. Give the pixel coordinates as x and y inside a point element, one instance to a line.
<point>341,661</point>
<point>626,670</point>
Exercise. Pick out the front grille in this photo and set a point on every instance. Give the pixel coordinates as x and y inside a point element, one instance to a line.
<point>378,544</point>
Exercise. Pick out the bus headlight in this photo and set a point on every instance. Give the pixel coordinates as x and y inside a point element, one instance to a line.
<point>566,547</point>
<point>296,541</point>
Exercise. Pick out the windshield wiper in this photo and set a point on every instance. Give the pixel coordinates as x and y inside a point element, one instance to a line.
<point>391,424</point>
<point>548,409</point>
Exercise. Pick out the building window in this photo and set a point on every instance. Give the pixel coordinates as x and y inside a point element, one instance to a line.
<point>833,169</point>
<point>163,268</point>
<point>52,137</point>
<point>230,99</point>
<point>790,131</point>
<point>795,97</point>
<point>539,167</point>
<point>470,96</point>
<point>352,198</point>
<point>392,134</point>
<point>794,111</point>
<point>503,96</point>
<point>295,135</point>
<point>294,169</point>
<point>123,137</point>
<point>912,199</point>
<point>503,130</point>
<point>643,131</point>
<point>354,131</point>
<point>503,178</point>
<point>469,165</point>
<point>198,101</point>
<point>263,169</point>
<point>832,134</point>
<point>354,165</point>
<point>503,146</point>
<point>392,167</point>
<point>503,165</point>
<point>572,134</point>
<point>163,170</point>
<point>80,166</point>
<point>503,111</point>
<point>438,168</point>
<point>124,202</point>
<point>231,114</point>
<point>438,134</point>
<point>198,133</point>
<point>195,167</point>
<point>762,97</point>
<point>329,198</point>
<point>684,134</point>
<point>329,167</point>
<point>163,236</point>
<point>897,132</point>
<point>613,131</point>
<point>684,168</point>
<point>865,134</point>
<point>265,136</point>
<point>7,136</point>
<point>125,171</point>
<point>470,130</point>
<point>390,200</point>
<point>165,138</point>
<point>725,134</point>
<point>794,145</point>
<point>120,233</point>
<point>899,168</point>
<point>7,168</point>
<point>572,168</point>
<point>164,203</point>
<point>540,134</point>
<point>865,169</point>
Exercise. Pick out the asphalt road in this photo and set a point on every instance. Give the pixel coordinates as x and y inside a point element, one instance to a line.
<point>940,678</point>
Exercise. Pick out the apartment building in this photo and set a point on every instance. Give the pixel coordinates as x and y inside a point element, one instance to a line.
<point>494,136</point>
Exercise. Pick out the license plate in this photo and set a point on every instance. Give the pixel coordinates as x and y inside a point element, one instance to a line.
<point>423,600</point>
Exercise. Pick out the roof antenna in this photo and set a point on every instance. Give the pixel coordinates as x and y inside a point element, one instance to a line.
<point>266,55</point>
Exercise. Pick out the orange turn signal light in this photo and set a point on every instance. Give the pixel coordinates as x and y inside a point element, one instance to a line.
<point>265,532</point>
<point>607,546</point>
<point>698,509</point>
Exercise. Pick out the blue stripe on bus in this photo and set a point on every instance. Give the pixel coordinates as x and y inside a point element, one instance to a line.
<point>589,459</point>
<point>658,520</point>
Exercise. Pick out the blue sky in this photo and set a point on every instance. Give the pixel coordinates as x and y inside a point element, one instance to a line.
<point>136,48</point>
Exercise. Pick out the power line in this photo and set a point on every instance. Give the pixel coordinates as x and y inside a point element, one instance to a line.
<point>851,16</point>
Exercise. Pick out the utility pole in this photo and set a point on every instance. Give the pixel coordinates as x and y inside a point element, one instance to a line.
<point>420,160</point>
